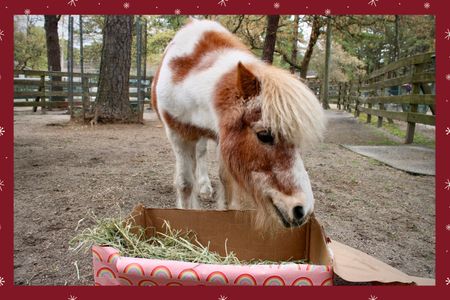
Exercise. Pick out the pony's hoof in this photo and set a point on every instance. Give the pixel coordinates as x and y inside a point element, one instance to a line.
<point>206,191</point>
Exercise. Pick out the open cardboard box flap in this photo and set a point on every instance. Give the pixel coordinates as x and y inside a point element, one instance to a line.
<point>308,241</point>
<point>355,266</point>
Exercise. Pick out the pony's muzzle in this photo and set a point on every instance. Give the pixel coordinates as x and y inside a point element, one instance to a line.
<point>291,209</point>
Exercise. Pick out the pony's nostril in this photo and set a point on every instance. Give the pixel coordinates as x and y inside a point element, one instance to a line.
<point>298,213</point>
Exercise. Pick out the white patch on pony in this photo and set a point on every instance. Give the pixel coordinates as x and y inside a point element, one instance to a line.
<point>286,203</point>
<point>185,40</point>
<point>184,179</point>
<point>201,173</point>
<point>301,179</point>
<point>191,101</point>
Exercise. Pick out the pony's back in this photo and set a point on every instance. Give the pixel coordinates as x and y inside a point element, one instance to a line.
<point>193,64</point>
<point>185,40</point>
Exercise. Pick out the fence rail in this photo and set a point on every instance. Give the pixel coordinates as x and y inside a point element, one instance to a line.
<point>407,84</point>
<point>49,89</point>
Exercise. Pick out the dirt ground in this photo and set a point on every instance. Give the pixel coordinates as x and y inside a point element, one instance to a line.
<point>65,171</point>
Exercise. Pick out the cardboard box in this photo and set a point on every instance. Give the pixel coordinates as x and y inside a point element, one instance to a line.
<point>307,242</point>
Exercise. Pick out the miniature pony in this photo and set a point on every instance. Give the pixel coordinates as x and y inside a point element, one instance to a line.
<point>210,86</point>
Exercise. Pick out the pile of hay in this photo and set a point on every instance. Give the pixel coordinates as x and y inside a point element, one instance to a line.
<point>170,245</point>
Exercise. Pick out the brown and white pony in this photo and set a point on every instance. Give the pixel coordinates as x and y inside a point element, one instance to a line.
<point>210,86</point>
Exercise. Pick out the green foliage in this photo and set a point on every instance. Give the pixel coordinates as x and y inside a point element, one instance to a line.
<point>359,42</point>
<point>344,66</point>
<point>170,22</point>
<point>156,44</point>
<point>92,54</point>
<point>417,35</point>
<point>372,39</point>
<point>30,48</point>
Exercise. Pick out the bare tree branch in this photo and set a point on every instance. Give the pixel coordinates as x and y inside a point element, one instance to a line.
<point>241,18</point>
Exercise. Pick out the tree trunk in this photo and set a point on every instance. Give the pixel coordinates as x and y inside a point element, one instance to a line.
<point>112,102</point>
<point>271,38</point>
<point>397,38</point>
<point>294,43</point>
<point>53,51</point>
<point>396,49</point>
<point>326,80</point>
<point>315,32</point>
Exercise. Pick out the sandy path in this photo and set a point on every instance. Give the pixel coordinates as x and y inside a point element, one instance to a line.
<point>64,171</point>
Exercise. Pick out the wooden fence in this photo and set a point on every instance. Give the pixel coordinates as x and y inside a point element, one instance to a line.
<point>41,89</point>
<point>406,85</point>
<point>339,93</point>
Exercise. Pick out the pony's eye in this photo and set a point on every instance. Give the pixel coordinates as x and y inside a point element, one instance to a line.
<point>265,137</point>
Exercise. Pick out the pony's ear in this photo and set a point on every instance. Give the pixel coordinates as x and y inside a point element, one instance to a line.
<point>247,83</point>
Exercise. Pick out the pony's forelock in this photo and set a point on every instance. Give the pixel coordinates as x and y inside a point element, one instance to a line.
<point>289,108</point>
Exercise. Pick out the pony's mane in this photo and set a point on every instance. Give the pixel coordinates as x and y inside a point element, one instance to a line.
<point>289,108</point>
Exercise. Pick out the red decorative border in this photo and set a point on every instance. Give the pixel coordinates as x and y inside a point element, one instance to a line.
<point>439,8</point>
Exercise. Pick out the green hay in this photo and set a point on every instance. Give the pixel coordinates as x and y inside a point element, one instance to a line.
<point>170,245</point>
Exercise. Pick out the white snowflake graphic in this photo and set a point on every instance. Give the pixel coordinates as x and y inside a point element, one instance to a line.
<point>427,5</point>
<point>72,2</point>
<point>2,130</point>
<point>276,5</point>
<point>372,297</point>
<point>1,35</point>
<point>27,11</point>
<point>447,131</point>
<point>72,298</point>
<point>177,11</point>
<point>2,184</point>
<point>222,2</point>
<point>447,76</point>
<point>447,34</point>
<point>327,12</point>
<point>447,281</point>
<point>126,5</point>
<point>447,184</point>
<point>373,2</point>
<point>447,227</point>
<point>2,281</point>
<point>222,297</point>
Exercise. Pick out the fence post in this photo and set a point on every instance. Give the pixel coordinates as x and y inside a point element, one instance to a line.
<point>86,100</point>
<point>344,96</point>
<point>144,72</point>
<point>381,105</point>
<point>349,97</point>
<point>42,88</point>
<point>339,96</point>
<point>413,107</point>
<point>70,67</point>
<point>386,77</point>
<point>320,90</point>
<point>380,119</point>
<point>369,116</point>
<point>358,94</point>
<point>84,82</point>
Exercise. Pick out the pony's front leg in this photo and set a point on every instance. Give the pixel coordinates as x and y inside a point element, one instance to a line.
<point>203,181</point>
<point>225,195</point>
<point>184,171</point>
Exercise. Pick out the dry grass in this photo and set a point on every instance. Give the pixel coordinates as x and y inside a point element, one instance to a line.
<point>169,245</point>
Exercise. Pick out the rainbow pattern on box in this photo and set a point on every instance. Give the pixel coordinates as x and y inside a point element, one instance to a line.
<point>112,269</point>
